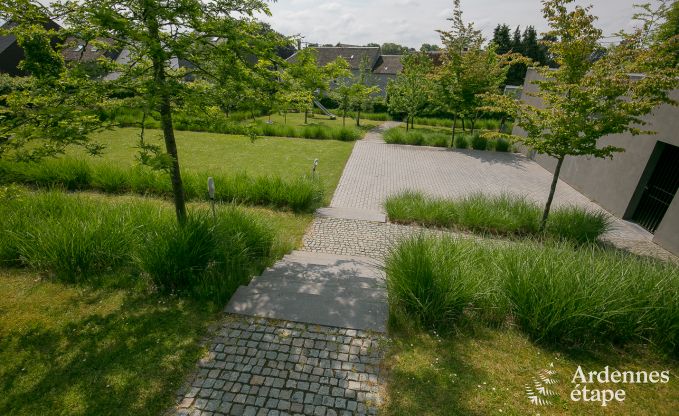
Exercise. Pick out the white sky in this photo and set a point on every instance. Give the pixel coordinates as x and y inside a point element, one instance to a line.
<point>413,22</point>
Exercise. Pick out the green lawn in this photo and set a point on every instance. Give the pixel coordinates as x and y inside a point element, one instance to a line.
<point>120,349</point>
<point>219,153</point>
<point>482,371</point>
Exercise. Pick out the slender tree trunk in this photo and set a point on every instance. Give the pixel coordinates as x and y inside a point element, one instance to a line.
<point>358,118</point>
<point>472,122</point>
<point>407,123</point>
<point>158,59</point>
<point>501,129</point>
<point>463,127</point>
<point>452,140</point>
<point>344,117</point>
<point>306,115</point>
<point>552,189</point>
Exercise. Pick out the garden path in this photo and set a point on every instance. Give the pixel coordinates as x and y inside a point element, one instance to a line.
<point>306,336</point>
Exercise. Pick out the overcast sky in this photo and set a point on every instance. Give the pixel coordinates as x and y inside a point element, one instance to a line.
<point>413,22</point>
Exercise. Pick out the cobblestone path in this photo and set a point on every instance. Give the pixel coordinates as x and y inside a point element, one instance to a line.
<point>317,357</point>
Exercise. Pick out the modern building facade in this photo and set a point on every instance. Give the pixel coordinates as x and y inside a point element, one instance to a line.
<point>639,184</point>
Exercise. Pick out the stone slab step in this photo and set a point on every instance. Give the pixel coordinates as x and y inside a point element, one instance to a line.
<point>346,289</point>
<point>310,257</point>
<point>352,214</point>
<point>337,311</point>
<point>309,276</point>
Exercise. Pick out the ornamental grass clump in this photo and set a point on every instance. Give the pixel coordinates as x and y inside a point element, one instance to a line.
<point>504,215</point>
<point>80,239</point>
<point>557,294</point>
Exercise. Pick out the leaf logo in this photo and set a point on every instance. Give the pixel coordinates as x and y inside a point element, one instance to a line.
<point>538,393</point>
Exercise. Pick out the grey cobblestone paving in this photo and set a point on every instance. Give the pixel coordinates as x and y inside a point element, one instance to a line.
<point>377,170</point>
<point>263,367</point>
<point>372,239</point>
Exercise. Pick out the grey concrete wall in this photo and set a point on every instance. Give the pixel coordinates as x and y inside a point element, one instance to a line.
<point>614,183</point>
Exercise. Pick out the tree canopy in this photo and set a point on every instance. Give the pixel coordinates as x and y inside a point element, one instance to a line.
<point>584,99</point>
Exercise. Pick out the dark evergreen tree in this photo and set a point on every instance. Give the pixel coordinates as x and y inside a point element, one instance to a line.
<point>502,39</point>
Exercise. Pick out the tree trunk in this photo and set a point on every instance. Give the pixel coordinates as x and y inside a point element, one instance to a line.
<point>552,189</point>
<point>452,140</point>
<point>407,123</point>
<point>463,127</point>
<point>358,118</point>
<point>344,118</point>
<point>501,129</point>
<point>158,59</point>
<point>472,122</point>
<point>306,115</point>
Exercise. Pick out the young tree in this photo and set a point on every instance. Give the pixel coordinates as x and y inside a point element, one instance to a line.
<point>409,92</point>
<point>310,80</point>
<point>343,95</point>
<point>469,70</point>
<point>209,35</point>
<point>362,92</point>
<point>586,99</point>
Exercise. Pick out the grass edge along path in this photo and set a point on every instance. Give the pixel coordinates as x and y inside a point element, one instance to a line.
<point>505,215</point>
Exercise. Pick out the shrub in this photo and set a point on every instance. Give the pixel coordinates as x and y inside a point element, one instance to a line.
<point>461,141</point>
<point>501,145</point>
<point>497,215</point>
<point>479,142</point>
<point>556,294</point>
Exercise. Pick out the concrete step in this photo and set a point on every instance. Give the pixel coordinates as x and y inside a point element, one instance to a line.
<point>325,309</point>
<point>352,274</point>
<point>352,214</point>
<point>333,289</point>
<point>310,257</point>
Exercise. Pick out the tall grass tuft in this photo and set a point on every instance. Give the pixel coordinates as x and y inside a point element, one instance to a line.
<point>207,258</point>
<point>557,294</point>
<point>420,137</point>
<point>497,215</point>
<point>302,194</point>
<point>75,238</point>
<point>238,123</point>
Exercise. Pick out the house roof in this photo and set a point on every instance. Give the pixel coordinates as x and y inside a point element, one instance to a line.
<point>389,65</point>
<point>78,51</point>
<point>7,40</point>
<point>353,55</point>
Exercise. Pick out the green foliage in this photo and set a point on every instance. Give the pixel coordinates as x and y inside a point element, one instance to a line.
<point>479,142</point>
<point>397,135</point>
<point>409,92</point>
<point>497,215</point>
<point>501,145</point>
<point>76,239</point>
<point>427,285</point>
<point>586,99</point>
<point>304,79</point>
<point>468,69</point>
<point>301,194</point>
<point>557,295</point>
<point>207,258</point>
<point>461,141</point>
